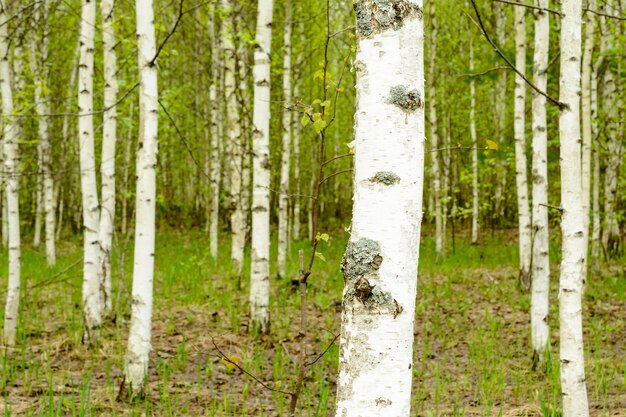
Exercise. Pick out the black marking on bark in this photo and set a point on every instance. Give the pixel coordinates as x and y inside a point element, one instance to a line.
<point>363,289</point>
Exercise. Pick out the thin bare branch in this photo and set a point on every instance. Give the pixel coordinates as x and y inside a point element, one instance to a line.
<point>481,26</point>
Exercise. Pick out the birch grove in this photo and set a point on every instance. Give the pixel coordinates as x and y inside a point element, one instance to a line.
<point>154,155</point>
<point>380,262</point>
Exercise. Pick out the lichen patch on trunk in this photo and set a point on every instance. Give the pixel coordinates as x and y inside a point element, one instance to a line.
<point>376,16</point>
<point>404,98</point>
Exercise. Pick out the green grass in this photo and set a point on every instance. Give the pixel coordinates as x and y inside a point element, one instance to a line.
<point>472,349</point>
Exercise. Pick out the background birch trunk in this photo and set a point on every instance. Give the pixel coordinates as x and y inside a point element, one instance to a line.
<point>380,263</point>
<point>39,56</point>
<point>109,140</point>
<point>519,127</point>
<point>573,386</point>
<point>92,299</point>
<point>234,142</point>
<point>139,337</point>
<point>434,138</point>
<point>609,96</point>
<point>540,285</point>
<point>472,122</point>
<point>260,253</point>
<point>215,138</point>
<point>586,122</point>
<point>500,93</point>
<point>11,164</point>
<point>283,198</point>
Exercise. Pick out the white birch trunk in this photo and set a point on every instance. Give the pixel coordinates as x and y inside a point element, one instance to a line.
<point>474,148</point>
<point>586,124</point>
<point>136,366</point>
<point>234,144</point>
<point>109,140</point>
<point>214,154</point>
<point>540,284</point>
<point>44,148</point>
<point>434,138</point>
<point>283,199</point>
<point>380,263</point>
<point>11,164</point>
<point>5,215</point>
<point>260,253</point>
<point>519,127</point>
<point>500,111</point>
<point>129,143</point>
<point>92,299</point>
<point>595,234</point>
<point>572,358</point>
<point>611,239</point>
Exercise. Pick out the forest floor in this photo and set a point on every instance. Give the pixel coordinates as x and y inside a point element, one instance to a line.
<point>472,350</point>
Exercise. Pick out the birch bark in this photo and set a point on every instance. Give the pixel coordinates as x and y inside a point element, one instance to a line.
<point>596,227</point>
<point>519,127</point>
<point>474,148</point>
<point>573,386</point>
<point>283,199</point>
<point>109,140</point>
<point>260,267</point>
<point>539,305</point>
<point>215,154</point>
<point>137,354</point>
<point>434,137</point>
<point>611,239</point>
<point>11,164</point>
<point>586,123</point>
<point>380,263</point>
<point>92,299</point>
<point>44,149</point>
<point>234,142</point>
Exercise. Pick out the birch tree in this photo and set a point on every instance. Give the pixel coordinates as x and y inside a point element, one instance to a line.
<point>586,120</point>
<point>380,263</point>
<point>260,266</point>
<point>234,144</point>
<point>215,131</point>
<point>434,138</point>
<point>92,299</point>
<point>11,165</point>
<point>519,127</point>
<point>609,105</point>
<point>283,199</point>
<point>472,123</point>
<point>573,386</point>
<point>540,283</point>
<point>139,337</point>
<point>39,55</point>
<point>109,139</point>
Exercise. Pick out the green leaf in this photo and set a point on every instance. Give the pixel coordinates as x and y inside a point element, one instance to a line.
<point>319,255</point>
<point>317,101</point>
<point>492,145</point>
<point>319,125</point>
<point>305,120</point>
<point>319,74</point>
<point>322,236</point>
<point>325,103</point>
